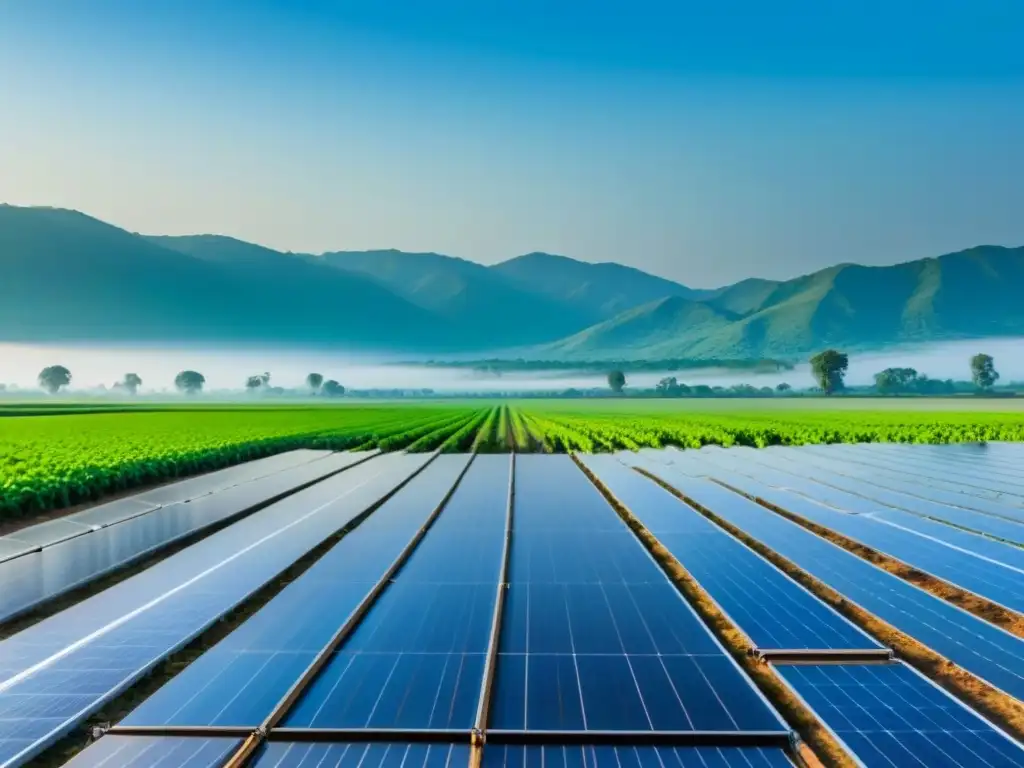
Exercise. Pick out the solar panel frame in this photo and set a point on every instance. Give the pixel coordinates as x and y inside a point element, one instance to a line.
<point>983,649</point>
<point>667,678</point>
<point>891,715</point>
<point>96,649</point>
<point>729,571</point>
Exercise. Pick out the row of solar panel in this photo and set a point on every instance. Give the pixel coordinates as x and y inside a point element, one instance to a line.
<point>36,537</point>
<point>58,671</point>
<point>35,578</point>
<point>886,714</point>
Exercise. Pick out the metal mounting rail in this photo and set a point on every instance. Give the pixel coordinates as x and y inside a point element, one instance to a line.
<point>491,660</point>
<point>281,709</point>
<point>800,656</point>
<point>644,738</point>
<point>416,735</point>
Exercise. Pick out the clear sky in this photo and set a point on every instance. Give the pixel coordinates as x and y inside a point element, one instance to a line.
<point>704,140</point>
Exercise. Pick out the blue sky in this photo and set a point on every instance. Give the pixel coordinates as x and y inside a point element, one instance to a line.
<point>705,141</point>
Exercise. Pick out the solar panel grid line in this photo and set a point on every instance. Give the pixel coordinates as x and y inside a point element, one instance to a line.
<point>154,752</point>
<point>984,517</point>
<point>71,664</point>
<point>853,641</point>
<point>959,460</point>
<point>362,754</point>
<point>913,722</point>
<point>493,642</point>
<point>633,756</point>
<point>282,708</point>
<point>993,655</point>
<point>647,738</point>
<point>36,579</point>
<point>980,575</point>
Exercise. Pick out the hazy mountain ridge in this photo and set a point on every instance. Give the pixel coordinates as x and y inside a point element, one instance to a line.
<point>68,276</point>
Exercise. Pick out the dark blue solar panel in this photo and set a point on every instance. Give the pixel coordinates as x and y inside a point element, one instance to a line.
<point>55,673</point>
<point>240,680</point>
<point>921,498</point>
<point>155,752</point>
<point>607,644</point>
<point>417,658</point>
<point>498,756</point>
<point>362,755</point>
<point>995,581</point>
<point>889,715</point>
<point>979,647</point>
<point>772,609</point>
<point>34,578</point>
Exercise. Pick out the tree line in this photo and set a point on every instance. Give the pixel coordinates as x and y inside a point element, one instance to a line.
<point>54,378</point>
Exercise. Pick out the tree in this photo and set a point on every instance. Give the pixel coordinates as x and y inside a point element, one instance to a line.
<point>829,368</point>
<point>131,382</point>
<point>893,380</point>
<point>617,381</point>
<point>53,377</point>
<point>189,382</point>
<point>331,388</point>
<point>983,371</point>
<point>314,381</point>
<point>783,387</point>
<point>265,378</point>
<point>253,383</point>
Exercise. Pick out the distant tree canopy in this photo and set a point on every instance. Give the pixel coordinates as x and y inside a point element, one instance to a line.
<point>617,381</point>
<point>189,382</point>
<point>783,387</point>
<point>53,377</point>
<point>331,388</point>
<point>253,383</point>
<point>132,382</point>
<point>670,387</point>
<point>983,371</point>
<point>314,381</point>
<point>829,369</point>
<point>894,380</point>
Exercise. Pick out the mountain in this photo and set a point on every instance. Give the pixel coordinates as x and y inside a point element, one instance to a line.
<point>969,294</point>
<point>603,290</point>
<point>490,311</point>
<point>67,276</point>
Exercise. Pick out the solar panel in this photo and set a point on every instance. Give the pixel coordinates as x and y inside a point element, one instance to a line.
<point>979,647</point>
<point>859,497</point>
<point>362,755</point>
<point>957,508</point>
<point>155,752</point>
<point>240,680</point>
<point>35,578</point>
<point>995,581</point>
<point>772,609</point>
<point>57,672</point>
<point>889,715</point>
<point>589,756</point>
<point>88,520</point>
<point>608,643</point>
<point>417,658</point>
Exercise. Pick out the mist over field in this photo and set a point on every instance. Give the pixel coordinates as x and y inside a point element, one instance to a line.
<point>227,369</point>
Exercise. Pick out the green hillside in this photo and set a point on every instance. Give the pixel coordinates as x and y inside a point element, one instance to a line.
<point>602,290</point>
<point>489,310</point>
<point>970,294</point>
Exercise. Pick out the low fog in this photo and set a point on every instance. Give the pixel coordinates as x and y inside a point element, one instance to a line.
<point>227,369</point>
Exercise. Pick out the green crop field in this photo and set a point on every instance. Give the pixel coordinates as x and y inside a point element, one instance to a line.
<point>61,455</point>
